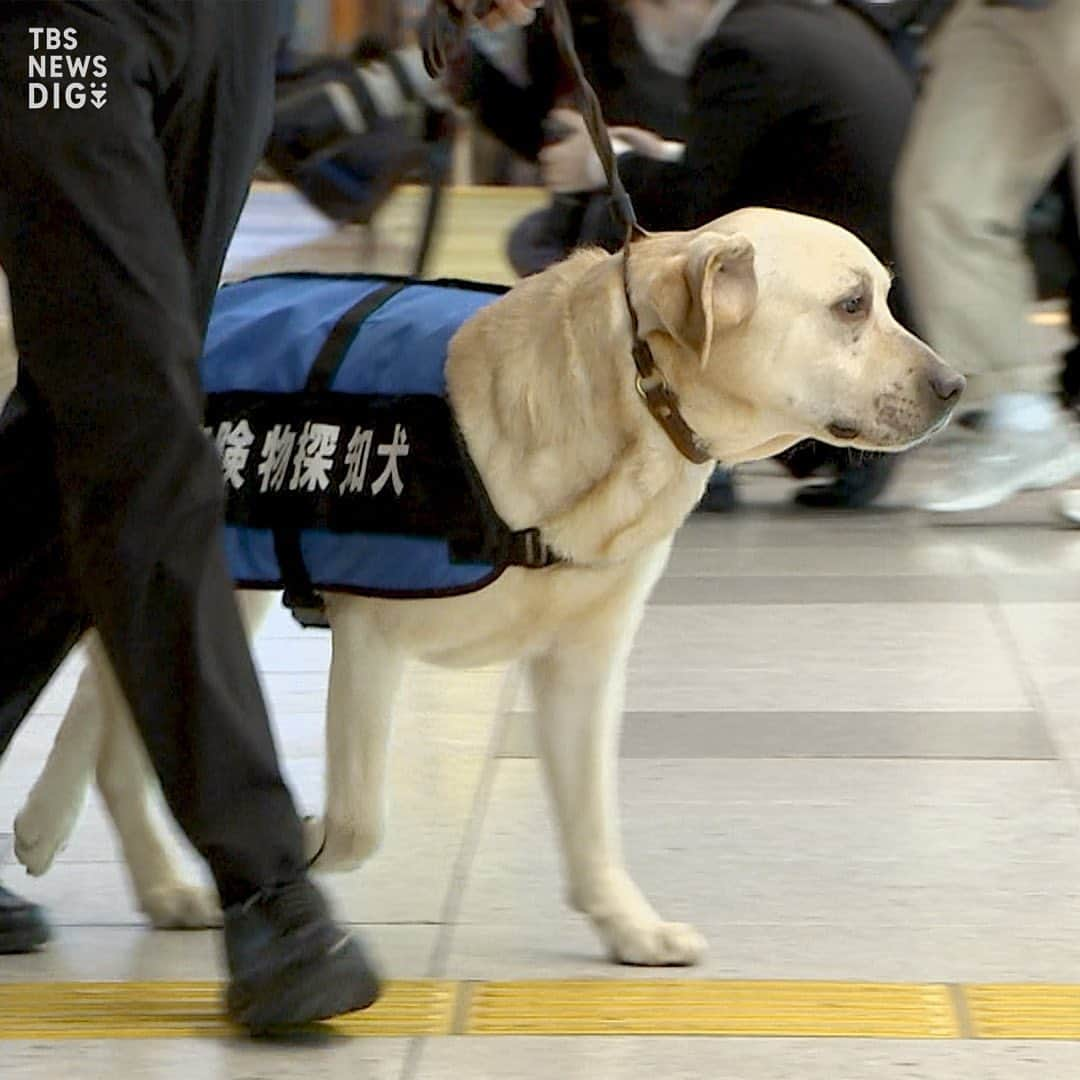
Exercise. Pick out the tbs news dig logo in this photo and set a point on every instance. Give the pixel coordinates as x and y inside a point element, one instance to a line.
<point>59,78</point>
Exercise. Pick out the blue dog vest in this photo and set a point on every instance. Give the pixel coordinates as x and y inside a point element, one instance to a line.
<point>344,468</point>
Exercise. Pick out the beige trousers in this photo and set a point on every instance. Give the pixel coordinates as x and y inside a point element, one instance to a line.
<point>998,116</point>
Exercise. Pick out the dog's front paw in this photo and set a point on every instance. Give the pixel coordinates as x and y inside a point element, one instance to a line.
<point>655,944</point>
<point>180,906</point>
<point>333,848</point>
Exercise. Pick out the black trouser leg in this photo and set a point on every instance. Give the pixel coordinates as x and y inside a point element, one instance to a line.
<point>35,588</point>
<point>113,224</point>
<point>1070,237</point>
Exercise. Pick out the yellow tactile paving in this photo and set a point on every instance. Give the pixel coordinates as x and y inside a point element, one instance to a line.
<point>690,1007</point>
<point>174,1010</point>
<point>1024,1011</point>
<point>432,1007</point>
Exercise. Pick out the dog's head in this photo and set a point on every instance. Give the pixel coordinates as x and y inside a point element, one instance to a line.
<point>774,326</point>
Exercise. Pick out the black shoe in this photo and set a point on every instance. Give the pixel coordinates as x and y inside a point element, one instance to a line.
<point>974,419</point>
<point>809,457</point>
<point>857,485</point>
<point>720,496</point>
<point>290,963</point>
<point>23,927</point>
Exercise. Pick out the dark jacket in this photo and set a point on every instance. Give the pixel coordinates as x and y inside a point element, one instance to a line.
<point>630,88</point>
<point>792,105</point>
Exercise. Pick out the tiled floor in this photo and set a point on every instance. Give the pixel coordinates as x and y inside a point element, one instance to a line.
<point>852,753</point>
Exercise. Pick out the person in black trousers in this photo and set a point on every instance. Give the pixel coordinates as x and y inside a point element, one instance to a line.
<point>797,105</point>
<point>120,185</point>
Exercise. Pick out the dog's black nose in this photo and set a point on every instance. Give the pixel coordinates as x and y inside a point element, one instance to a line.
<point>947,384</point>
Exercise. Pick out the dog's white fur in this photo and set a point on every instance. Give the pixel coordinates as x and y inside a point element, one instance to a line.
<point>755,321</point>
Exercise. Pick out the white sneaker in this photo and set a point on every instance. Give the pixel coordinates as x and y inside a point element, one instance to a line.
<point>1069,505</point>
<point>1003,462</point>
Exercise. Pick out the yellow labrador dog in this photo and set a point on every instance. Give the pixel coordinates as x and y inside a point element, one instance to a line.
<point>769,327</point>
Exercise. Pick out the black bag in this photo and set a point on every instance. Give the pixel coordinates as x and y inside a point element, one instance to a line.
<point>348,131</point>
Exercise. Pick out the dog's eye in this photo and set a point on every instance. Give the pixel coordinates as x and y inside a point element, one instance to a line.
<point>854,305</point>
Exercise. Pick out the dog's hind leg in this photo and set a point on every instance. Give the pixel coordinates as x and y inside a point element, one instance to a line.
<point>365,673</point>
<point>578,691</point>
<point>98,730</point>
<point>46,820</point>
<point>132,796</point>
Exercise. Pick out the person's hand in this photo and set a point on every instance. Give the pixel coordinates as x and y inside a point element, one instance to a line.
<point>494,14</point>
<point>646,143</point>
<point>571,163</point>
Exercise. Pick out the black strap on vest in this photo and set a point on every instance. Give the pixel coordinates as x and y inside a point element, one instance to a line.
<point>300,595</point>
<point>341,337</point>
<point>501,545</point>
<point>525,547</point>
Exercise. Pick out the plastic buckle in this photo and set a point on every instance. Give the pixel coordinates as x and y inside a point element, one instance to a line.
<point>309,611</point>
<point>532,552</point>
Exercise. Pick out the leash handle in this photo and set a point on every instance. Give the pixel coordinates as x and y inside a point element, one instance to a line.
<point>589,107</point>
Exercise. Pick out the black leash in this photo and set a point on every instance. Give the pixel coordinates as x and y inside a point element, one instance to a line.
<point>443,34</point>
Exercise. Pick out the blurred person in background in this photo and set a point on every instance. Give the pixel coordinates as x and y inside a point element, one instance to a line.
<point>999,114</point>
<point>516,94</point>
<point>802,106</point>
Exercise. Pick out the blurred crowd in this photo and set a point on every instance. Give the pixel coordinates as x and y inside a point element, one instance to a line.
<point>938,131</point>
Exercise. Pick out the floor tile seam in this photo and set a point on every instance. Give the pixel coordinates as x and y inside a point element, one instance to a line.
<point>1069,771</point>
<point>470,842</point>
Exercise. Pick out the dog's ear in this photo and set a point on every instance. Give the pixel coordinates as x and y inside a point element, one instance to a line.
<point>706,288</point>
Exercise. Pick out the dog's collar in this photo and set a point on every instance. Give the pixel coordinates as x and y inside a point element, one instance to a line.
<point>658,396</point>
